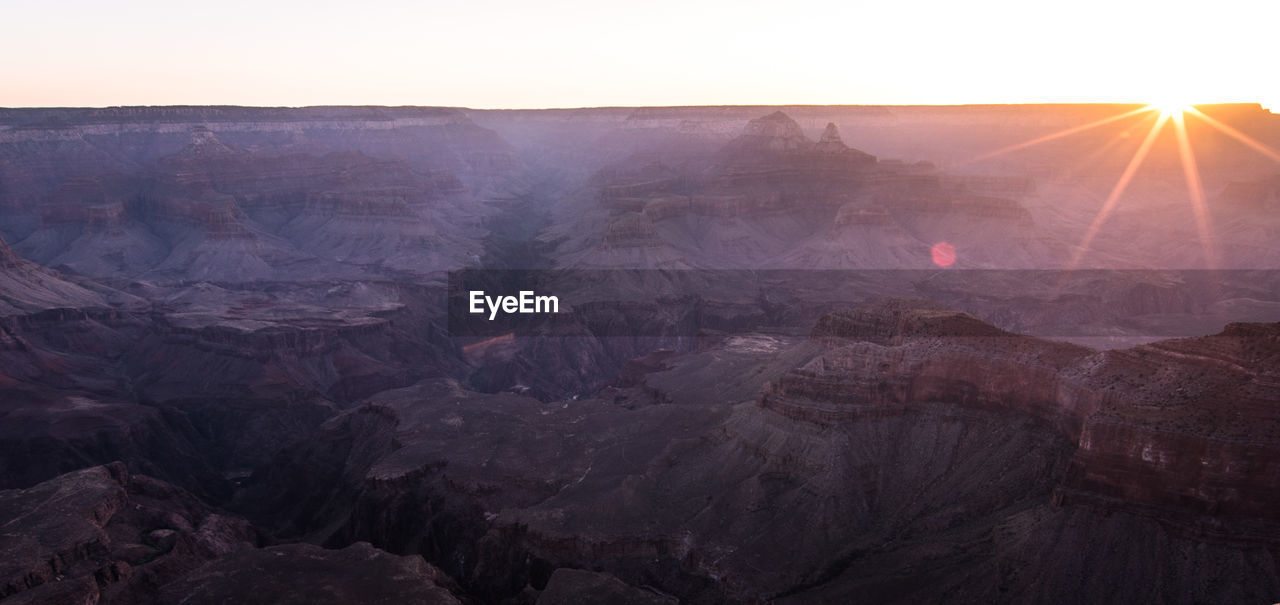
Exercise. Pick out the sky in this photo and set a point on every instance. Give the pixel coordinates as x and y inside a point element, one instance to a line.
<point>563,53</point>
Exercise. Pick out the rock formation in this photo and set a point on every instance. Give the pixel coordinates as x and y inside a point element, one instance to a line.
<point>830,140</point>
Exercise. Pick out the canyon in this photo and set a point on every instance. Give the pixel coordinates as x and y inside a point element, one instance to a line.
<point>230,363</point>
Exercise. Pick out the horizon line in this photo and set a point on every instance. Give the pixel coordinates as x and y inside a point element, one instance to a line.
<point>1258,104</point>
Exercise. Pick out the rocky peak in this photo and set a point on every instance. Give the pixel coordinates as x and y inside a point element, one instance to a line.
<point>774,132</point>
<point>830,140</point>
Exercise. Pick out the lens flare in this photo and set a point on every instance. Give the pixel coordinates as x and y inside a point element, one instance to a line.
<point>944,254</point>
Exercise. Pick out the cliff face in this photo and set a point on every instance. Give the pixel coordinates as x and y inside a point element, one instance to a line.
<point>1188,424</point>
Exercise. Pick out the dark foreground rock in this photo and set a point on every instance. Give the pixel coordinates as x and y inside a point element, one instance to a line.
<point>100,535</point>
<point>571,586</point>
<point>301,574</point>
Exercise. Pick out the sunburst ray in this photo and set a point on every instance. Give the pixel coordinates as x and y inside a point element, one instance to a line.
<point>1121,184</point>
<point>1235,134</point>
<point>1057,135</point>
<point>1195,187</point>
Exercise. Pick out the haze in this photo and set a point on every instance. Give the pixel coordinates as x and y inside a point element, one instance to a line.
<point>563,53</point>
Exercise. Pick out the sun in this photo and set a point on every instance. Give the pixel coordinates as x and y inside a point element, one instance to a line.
<point>1171,108</point>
